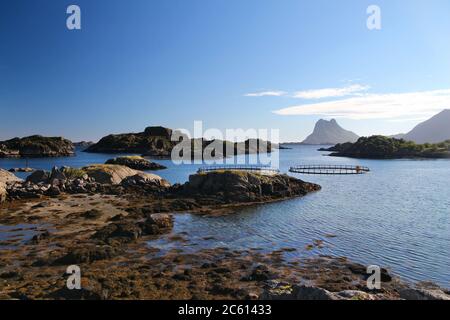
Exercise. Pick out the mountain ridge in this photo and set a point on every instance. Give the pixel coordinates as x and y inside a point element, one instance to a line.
<point>434,130</point>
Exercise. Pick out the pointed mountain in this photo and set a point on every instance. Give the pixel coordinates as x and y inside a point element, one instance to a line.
<point>330,132</point>
<point>434,130</point>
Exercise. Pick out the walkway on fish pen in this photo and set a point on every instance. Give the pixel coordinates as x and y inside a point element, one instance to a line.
<point>329,169</point>
<point>256,169</point>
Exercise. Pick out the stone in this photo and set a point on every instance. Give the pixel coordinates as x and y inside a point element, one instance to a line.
<point>355,295</point>
<point>124,231</point>
<point>6,178</point>
<point>423,294</point>
<point>109,174</point>
<point>87,254</point>
<point>40,237</point>
<point>38,176</point>
<point>58,174</point>
<point>142,178</point>
<point>158,224</point>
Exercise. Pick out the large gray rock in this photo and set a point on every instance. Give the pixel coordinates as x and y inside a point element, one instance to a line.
<point>109,174</point>
<point>39,176</point>
<point>142,178</point>
<point>5,178</point>
<point>297,292</point>
<point>2,192</point>
<point>423,294</point>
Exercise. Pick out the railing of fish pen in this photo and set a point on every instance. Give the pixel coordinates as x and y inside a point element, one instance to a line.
<point>329,169</point>
<point>262,169</point>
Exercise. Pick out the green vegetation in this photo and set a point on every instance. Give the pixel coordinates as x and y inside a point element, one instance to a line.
<point>381,147</point>
<point>73,173</point>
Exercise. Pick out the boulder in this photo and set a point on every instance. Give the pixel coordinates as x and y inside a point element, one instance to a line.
<point>3,193</point>
<point>423,294</point>
<point>158,224</point>
<point>297,292</point>
<point>136,163</point>
<point>142,178</point>
<point>123,232</point>
<point>57,174</point>
<point>6,178</point>
<point>87,254</point>
<point>108,173</point>
<point>39,176</point>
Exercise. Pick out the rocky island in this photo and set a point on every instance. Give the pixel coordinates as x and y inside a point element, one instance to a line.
<point>156,142</point>
<point>36,146</point>
<point>381,147</point>
<point>136,162</point>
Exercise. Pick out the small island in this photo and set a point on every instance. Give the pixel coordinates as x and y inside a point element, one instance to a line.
<point>157,142</point>
<point>36,146</point>
<point>381,147</point>
<point>137,163</point>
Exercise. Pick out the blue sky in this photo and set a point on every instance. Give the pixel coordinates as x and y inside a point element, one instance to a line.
<point>230,63</point>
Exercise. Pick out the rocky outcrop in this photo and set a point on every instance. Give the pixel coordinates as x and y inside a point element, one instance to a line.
<point>6,178</point>
<point>36,146</point>
<point>329,132</point>
<point>115,174</point>
<point>110,179</point>
<point>136,163</point>
<point>242,186</point>
<point>126,231</point>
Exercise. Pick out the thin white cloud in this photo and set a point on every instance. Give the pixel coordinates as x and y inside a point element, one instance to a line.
<point>377,106</point>
<point>331,92</point>
<point>266,94</point>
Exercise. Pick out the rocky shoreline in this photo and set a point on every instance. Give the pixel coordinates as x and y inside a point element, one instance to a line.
<point>105,228</point>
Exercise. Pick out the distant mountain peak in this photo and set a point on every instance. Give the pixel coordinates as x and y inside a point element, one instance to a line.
<point>330,132</point>
<point>433,130</point>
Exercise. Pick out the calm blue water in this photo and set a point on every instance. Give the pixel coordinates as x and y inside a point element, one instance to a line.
<point>397,216</point>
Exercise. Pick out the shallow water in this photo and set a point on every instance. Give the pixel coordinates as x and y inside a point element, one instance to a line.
<point>396,216</point>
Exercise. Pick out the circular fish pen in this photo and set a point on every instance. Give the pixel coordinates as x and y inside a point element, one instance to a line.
<point>256,169</point>
<point>329,169</point>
